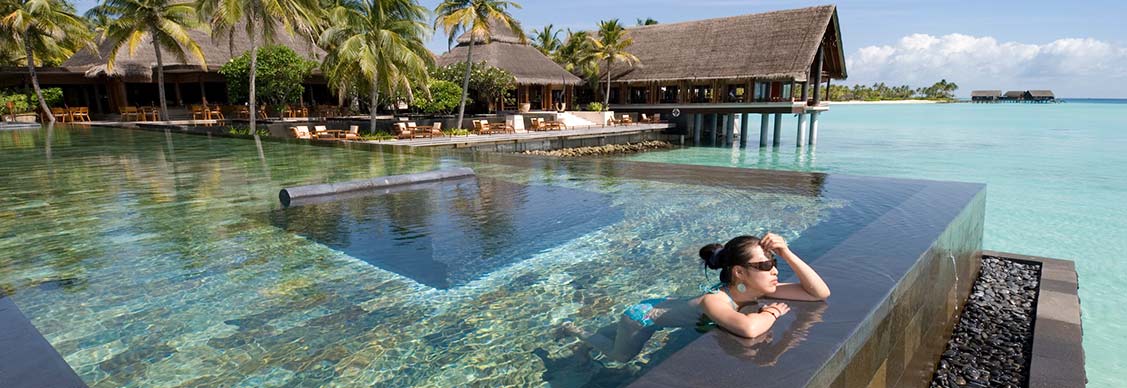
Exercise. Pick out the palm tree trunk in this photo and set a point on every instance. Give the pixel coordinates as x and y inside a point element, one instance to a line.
<point>253,65</point>
<point>160,81</point>
<point>465,83</point>
<point>375,106</point>
<point>35,78</point>
<point>606,102</point>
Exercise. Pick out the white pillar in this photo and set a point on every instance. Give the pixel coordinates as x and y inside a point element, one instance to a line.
<point>800,139</point>
<point>764,121</point>
<point>778,130</point>
<point>813,138</point>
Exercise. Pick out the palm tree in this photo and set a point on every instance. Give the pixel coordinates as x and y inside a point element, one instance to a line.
<point>475,17</point>
<point>646,21</point>
<point>546,40</point>
<point>610,45</point>
<point>380,42</point>
<point>164,22</point>
<point>294,16</point>
<point>48,31</point>
<point>573,54</point>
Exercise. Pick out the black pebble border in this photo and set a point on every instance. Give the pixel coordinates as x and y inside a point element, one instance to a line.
<point>992,342</point>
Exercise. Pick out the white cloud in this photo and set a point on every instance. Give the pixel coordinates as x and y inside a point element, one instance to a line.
<point>1071,67</point>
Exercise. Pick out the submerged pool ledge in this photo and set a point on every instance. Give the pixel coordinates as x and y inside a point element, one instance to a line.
<point>897,283</point>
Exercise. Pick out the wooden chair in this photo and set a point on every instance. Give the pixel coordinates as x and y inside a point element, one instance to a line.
<point>319,131</point>
<point>61,114</point>
<point>626,120</point>
<point>198,112</point>
<point>216,112</point>
<point>436,130</point>
<point>554,125</point>
<point>128,113</point>
<point>353,133</point>
<point>402,132</point>
<point>81,113</point>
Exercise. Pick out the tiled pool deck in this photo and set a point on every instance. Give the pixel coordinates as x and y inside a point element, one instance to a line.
<point>891,251</point>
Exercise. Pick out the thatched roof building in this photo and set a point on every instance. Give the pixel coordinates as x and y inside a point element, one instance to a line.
<point>140,66</point>
<point>542,82</point>
<point>1013,95</point>
<point>87,81</point>
<point>773,57</point>
<point>1040,95</point>
<point>985,95</point>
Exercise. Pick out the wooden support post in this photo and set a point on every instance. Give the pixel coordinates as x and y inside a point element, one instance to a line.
<point>713,123</point>
<point>176,90</point>
<point>817,70</point>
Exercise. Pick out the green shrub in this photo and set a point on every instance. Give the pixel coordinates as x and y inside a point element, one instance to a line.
<point>456,132</point>
<point>444,97</point>
<point>595,106</point>
<point>20,103</point>
<point>378,136</point>
<point>278,77</point>
<point>246,131</point>
<point>23,103</point>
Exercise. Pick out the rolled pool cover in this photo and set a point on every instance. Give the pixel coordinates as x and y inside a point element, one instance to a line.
<point>290,194</point>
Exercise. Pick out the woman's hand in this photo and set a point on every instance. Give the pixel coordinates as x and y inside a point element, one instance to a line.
<point>775,309</point>
<point>774,243</point>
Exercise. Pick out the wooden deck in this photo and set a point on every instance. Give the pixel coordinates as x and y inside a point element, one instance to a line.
<point>528,136</point>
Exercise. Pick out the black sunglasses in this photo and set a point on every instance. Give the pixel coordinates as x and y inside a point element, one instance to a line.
<point>763,265</point>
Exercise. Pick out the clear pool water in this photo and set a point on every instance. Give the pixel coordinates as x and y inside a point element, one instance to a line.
<point>1056,176</point>
<point>156,259</point>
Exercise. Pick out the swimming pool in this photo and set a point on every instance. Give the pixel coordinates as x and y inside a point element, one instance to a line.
<point>159,259</point>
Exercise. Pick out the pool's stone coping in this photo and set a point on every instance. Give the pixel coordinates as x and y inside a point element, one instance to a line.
<point>27,359</point>
<point>1058,349</point>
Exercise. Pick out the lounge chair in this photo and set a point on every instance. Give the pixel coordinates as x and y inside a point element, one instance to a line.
<point>216,112</point>
<point>302,132</point>
<point>353,133</point>
<point>626,120</point>
<point>319,131</point>
<point>402,132</point>
<point>436,130</point>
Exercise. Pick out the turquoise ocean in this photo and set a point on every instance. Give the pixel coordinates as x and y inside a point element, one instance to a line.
<point>1056,178</point>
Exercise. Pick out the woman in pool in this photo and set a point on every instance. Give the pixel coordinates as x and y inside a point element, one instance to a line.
<point>747,272</point>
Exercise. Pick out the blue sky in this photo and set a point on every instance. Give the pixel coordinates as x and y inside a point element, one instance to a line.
<point>1074,47</point>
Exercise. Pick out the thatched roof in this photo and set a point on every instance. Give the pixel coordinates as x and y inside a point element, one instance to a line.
<point>506,51</point>
<point>1014,94</point>
<point>772,45</point>
<point>986,93</point>
<point>139,66</point>
<point>1041,93</point>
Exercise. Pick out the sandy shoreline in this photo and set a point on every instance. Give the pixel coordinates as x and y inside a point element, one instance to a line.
<point>887,102</point>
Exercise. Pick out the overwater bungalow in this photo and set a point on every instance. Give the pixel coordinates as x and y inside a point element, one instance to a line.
<point>1040,96</point>
<point>708,70</point>
<point>86,81</point>
<point>541,82</point>
<point>985,96</point>
<point>1013,96</point>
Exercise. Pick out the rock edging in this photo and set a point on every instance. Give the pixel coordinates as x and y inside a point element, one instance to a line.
<point>609,149</point>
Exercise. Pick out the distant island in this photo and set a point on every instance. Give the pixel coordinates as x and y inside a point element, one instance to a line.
<point>941,91</point>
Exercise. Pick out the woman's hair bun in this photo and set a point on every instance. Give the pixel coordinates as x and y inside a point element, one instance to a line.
<point>711,255</point>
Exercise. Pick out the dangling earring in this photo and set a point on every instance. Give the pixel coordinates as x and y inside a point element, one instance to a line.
<point>741,288</point>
